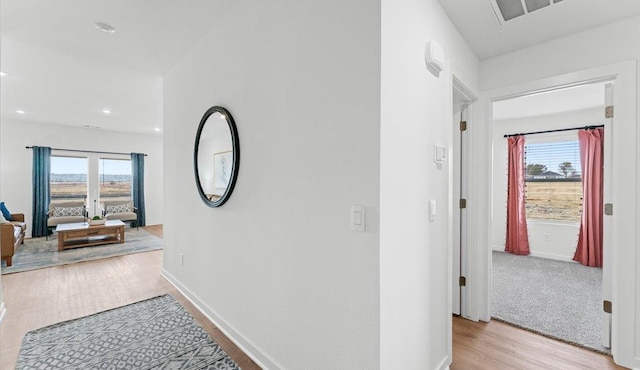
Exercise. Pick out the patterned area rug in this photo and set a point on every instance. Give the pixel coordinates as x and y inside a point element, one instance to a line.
<point>37,253</point>
<point>154,334</point>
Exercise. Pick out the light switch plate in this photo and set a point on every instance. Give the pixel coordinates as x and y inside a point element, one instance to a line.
<point>440,154</point>
<point>358,218</point>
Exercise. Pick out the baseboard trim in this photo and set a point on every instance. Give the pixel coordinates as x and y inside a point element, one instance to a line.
<point>444,364</point>
<point>549,256</point>
<point>238,339</point>
<point>3,310</point>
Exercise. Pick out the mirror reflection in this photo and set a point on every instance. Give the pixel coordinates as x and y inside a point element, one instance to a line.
<point>216,156</point>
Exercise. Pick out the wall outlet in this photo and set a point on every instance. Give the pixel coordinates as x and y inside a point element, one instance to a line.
<point>546,237</point>
<point>181,259</point>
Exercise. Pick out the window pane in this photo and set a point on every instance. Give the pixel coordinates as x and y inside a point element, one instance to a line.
<point>68,178</point>
<point>553,181</point>
<point>115,179</point>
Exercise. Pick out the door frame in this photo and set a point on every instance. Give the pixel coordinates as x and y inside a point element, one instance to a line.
<point>459,233</point>
<point>625,196</point>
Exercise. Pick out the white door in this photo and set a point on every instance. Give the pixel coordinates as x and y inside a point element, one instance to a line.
<point>607,250</point>
<point>460,165</point>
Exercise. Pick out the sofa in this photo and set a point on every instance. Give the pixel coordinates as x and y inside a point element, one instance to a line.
<point>12,236</point>
<point>122,210</point>
<point>65,213</point>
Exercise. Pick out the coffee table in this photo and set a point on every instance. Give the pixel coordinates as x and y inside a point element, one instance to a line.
<point>82,234</point>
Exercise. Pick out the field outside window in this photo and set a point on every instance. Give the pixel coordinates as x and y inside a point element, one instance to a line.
<point>553,181</point>
<point>115,179</point>
<point>68,178</point>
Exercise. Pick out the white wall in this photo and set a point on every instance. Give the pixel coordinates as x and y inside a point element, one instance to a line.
<point>277,266</point>
<point>598,48</point>
<point>415,254</point>
<point>16,174</point>
<point>548,239</point>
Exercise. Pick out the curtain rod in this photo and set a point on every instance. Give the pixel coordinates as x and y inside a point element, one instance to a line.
<point>558,130</point>
<point>86,151</point>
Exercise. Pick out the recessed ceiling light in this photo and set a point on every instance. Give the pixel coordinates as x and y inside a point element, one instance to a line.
<point>105,27</point>
<point>19,111</point>
<point>156,129</point>
<point>106,111</point>
<point>3,73</point>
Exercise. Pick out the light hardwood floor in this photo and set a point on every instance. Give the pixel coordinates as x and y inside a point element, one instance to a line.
<point>43,297</point>
<point>495,345</point>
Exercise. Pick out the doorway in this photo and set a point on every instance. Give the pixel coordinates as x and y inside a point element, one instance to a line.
<point>623,221</point>
<point>546,291</point>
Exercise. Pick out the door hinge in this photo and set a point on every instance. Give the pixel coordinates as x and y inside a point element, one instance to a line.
<point>463,125</point>
<point>608,209</point>
<point>608,111</point>
<point>607,306</point>
<point>462,281</point>
<point>463,203</point>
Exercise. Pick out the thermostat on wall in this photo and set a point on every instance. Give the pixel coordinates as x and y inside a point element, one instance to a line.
<point>434,55</point>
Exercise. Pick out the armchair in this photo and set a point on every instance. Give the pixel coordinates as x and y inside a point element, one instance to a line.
<point>122,210</point>
<point>11,236</point>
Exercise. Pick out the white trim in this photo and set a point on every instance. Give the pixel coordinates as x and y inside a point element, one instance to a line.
<point>258,356</point>
<point>549,256</point>
<point>625,180</point>
<point>3,310</point>
<point>444,364</point>
<point>471,115</point>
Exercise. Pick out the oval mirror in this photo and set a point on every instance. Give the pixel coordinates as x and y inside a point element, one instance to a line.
<point>216,156</point>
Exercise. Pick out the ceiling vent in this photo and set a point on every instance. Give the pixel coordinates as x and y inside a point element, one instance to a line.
<point>506,10</point>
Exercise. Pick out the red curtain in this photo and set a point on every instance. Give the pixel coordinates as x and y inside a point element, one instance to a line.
<point>589,252</point>
<point>517,236</point>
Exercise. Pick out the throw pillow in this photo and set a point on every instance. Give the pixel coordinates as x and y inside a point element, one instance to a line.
<point>5,211</point>
<point>67,211</point>
<point>120,208</point>
<point>2,219</point>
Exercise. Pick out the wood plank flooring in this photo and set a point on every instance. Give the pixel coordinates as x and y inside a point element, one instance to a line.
<point>495,345</point>
<point>43,297</point>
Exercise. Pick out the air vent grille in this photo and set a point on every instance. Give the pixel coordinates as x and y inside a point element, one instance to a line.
<point>506,10</point>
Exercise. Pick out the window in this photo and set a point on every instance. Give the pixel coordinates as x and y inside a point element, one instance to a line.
<point>553,181</point>
<point>68,178</point>
<point>115,179</point>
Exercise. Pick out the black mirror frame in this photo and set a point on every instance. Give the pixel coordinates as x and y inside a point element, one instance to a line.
<point>235,144</point>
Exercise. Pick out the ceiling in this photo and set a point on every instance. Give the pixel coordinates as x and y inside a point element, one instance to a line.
<point>551,102</point>
<point>63,70</point>
<point>477,23</point>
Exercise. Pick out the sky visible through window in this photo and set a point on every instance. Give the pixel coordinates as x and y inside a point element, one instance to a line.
<point>552,154</point>
<point>73,165</point>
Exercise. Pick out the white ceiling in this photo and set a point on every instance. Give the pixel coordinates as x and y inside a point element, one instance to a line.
<point>478,25</point>
<point>551,102</point>
<point>63,70</point>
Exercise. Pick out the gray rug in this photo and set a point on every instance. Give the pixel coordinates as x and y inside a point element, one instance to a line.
<point>37,253</point>
<point>154,334</point>
<point>562,300</point>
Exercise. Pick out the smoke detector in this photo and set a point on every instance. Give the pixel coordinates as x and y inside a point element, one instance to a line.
<point>506,10</point>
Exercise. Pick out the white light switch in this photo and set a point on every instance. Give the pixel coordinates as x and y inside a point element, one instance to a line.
<point>432,210</point>
<point>440,155</point>
<point>358,217</point>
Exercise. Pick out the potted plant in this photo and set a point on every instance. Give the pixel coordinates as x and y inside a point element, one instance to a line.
<point>97,220</point>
